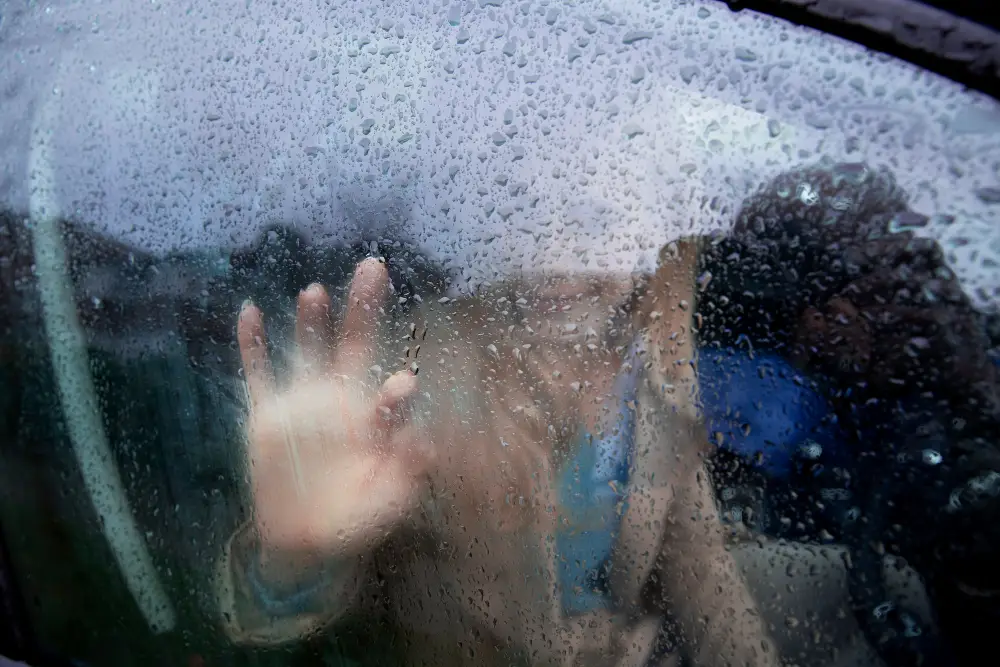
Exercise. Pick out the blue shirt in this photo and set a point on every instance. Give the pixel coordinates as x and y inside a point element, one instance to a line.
<point>592,493</point>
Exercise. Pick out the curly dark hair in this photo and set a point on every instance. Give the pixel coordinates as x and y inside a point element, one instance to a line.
<point>823,266</point>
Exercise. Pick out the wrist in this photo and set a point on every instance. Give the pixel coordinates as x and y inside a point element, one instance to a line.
<point>285,585</point>
<point>278,569</point>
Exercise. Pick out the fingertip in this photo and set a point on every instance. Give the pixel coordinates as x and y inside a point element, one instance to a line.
<point>313,305</point>
<point>393,397</point>
<point>251,320</point>
<point>398,386</point>
<point>248,308</point>
<point>371,273</point>
<point>366,300</point>
<point>370,264</point>
<point>312,327</point>
<point>315,293</point>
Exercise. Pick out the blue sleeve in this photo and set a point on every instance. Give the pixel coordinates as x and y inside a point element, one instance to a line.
<point>259,612</point>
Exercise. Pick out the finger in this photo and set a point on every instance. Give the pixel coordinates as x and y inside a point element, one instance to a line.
<point>312,328</point>
<point>392,399</point>
<point>368,292</point>
<point>253,352</point>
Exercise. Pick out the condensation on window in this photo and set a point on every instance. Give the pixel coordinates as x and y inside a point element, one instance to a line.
<point>655,273</point>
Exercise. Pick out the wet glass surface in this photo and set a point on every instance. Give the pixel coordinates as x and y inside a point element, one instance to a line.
<point>492,333</point>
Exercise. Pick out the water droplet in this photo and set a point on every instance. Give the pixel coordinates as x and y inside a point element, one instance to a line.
<point>852,172</point>
<point>907,220</point>
<point>633,36</point>
<point>819,120</point>
<point>632,130</point>
<point>812,450</point>
<point>988,195</point>
<point>882,610</point>
<point>688,72</point>
<point>807,194</point>
<point>841,203</point>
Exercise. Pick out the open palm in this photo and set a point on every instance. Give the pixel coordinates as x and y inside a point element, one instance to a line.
<point>334,462</point>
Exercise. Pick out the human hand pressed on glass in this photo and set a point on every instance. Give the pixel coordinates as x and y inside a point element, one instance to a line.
<point>334,461</point>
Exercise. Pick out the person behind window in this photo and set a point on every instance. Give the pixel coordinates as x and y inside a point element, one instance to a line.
<point>485,481</point>
<point>531,484</point>
<point>824,277</point>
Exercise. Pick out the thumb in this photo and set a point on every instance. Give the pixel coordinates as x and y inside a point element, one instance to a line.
<point>393,398</point>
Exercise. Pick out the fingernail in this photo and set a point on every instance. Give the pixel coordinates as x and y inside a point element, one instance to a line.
<point>313,287</point>
<point>246,304</point>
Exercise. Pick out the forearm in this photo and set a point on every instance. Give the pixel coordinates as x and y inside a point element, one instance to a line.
<point>701,576</point>
<point>715,605</point>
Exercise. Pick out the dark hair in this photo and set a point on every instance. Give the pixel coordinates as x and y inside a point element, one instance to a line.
<point>822,263</point>
<point>786,249</point>
<point>823,266</point>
